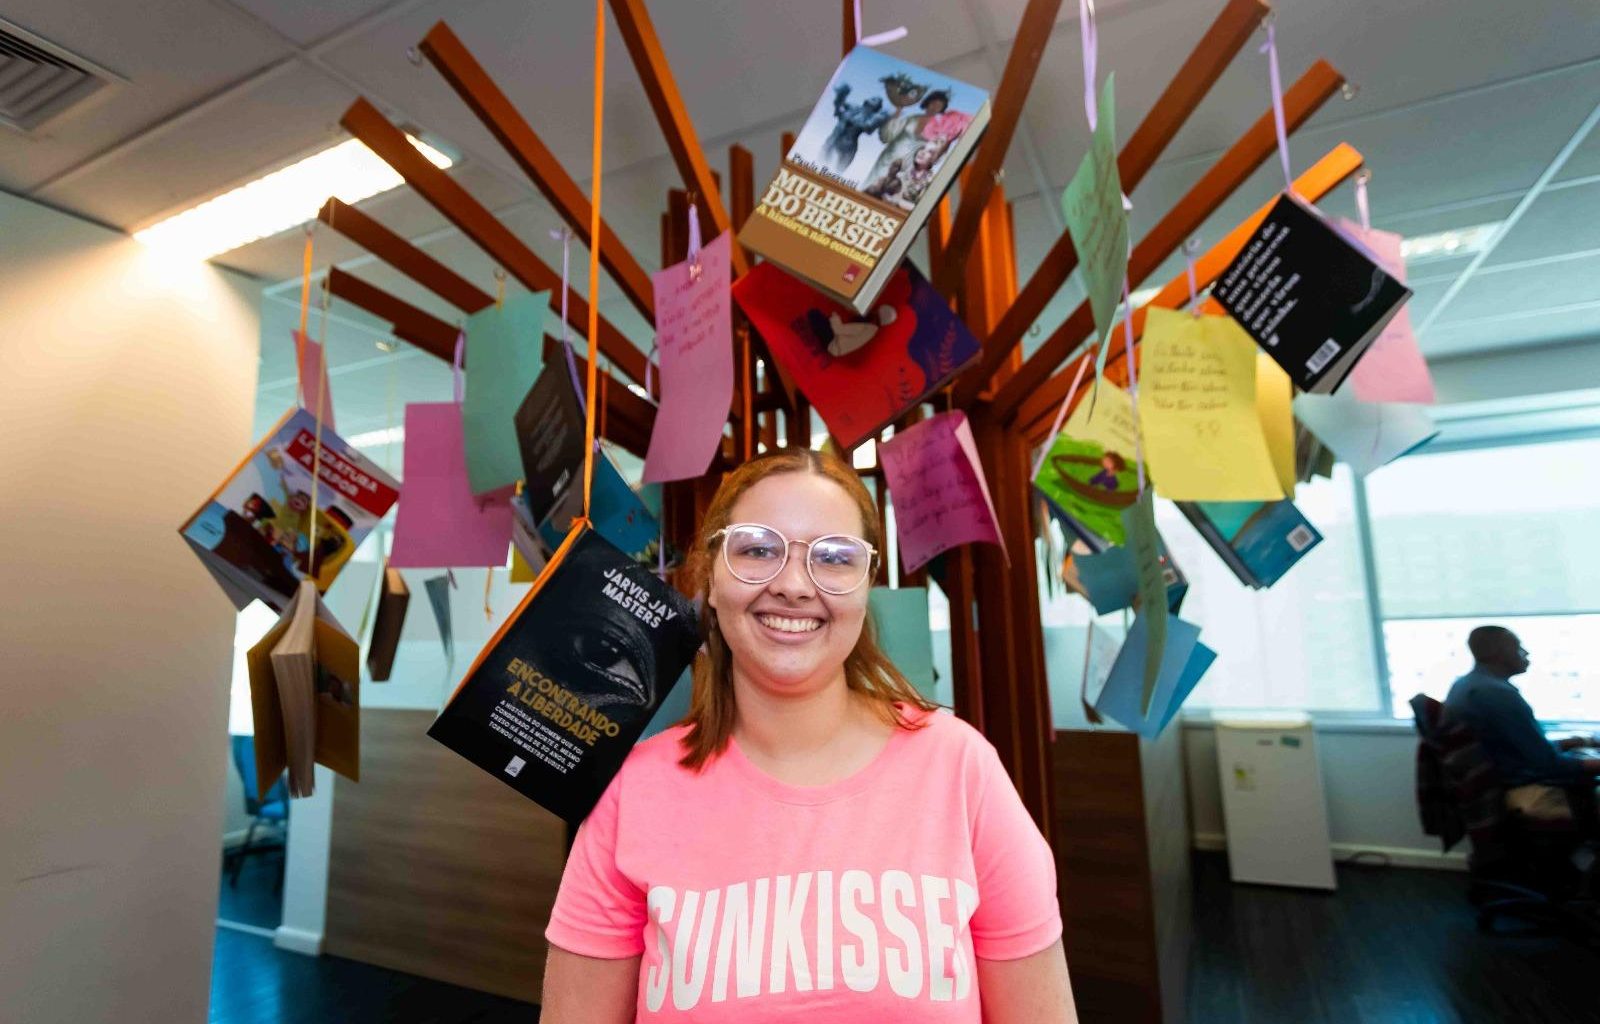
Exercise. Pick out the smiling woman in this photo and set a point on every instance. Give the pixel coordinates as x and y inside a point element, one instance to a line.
<point>815,837</point>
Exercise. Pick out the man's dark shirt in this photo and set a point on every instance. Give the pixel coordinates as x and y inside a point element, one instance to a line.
<point>1498,715</point>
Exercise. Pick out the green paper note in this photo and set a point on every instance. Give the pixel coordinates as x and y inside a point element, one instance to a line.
<point>900,616</point>
<point>505,345</point>
<point>1097,222</point>
<point>1140,522</point>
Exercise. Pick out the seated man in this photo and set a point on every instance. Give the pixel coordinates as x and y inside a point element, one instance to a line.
<point>1539,774</point>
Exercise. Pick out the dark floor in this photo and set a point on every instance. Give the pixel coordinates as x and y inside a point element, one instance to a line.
<point>1392,946</point>
<point>257,898</point>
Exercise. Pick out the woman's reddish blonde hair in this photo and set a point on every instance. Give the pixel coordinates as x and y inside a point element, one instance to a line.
<point>867,670</point>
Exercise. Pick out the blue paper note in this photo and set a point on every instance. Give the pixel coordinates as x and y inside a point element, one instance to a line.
<point>1183,661</point>
<point>900,616</point>
<point>1109,578</point>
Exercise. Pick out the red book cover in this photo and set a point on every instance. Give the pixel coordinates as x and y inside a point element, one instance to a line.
<point>859,373</point>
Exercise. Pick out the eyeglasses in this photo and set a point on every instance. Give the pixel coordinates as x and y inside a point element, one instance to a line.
<point>756,554</point>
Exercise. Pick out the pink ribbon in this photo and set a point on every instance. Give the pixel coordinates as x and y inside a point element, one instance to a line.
<point>1270,48</point>
<point>1061,414</point>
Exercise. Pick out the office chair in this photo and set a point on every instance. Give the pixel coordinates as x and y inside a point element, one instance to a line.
<point>275,808</point>
<point>1520,868</point>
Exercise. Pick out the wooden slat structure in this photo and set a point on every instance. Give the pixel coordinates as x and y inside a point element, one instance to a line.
<point>998,660</point>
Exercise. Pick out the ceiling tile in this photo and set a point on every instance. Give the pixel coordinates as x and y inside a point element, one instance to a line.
<point>1559,222</point>
<point>308,21</point>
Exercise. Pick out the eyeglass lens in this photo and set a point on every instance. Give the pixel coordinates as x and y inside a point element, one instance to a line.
<point>837,564</point>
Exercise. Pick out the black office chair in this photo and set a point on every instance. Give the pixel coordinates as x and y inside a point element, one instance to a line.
<point>1540,872</point>
<point>274,809</point>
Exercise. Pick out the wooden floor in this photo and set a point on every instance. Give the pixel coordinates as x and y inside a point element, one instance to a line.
<point>1392,946</point>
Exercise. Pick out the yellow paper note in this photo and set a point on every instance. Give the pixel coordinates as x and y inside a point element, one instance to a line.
<point>1203,438</point>
<point>1274,405</point>
<point>521,571</point>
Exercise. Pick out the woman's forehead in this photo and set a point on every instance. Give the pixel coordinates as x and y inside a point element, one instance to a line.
<point>798,504</point>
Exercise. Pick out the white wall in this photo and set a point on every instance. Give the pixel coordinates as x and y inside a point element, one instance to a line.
<point>1368,778</point>
<point>125,396</point>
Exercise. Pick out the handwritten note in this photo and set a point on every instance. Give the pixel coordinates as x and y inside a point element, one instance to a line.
<point>941,499</point>
<point>1145,543</point>
<point>439,523</point>
<point>1365,435</point>
<point>694,334</point>
<point>1275,410</point>
<point>1392,369</point>
<point>1203,437</point>
<point>505,351</point>
<point>312,364</point>
<point>1097,220</point>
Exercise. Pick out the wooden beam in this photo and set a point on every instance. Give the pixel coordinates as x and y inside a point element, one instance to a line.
<point>361,229</point>
<point>1210,57</point>
<point>852,31</point>
<point>628,418</point>
<point>1037,409</point>
<point>420,328</point>
<point>365,122</point>
<point>473,84</point>
<point>1224,178</point>
<point>639,35</point>
<point>1027,49</point>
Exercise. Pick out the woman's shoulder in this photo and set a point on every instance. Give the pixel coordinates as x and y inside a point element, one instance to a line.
<point>660,753</point>
<point>945,734</point>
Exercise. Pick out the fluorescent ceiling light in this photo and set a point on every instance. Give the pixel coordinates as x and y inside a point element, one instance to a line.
<point>375,438</point>
<point>1443,245</point>
<point>278,201</point>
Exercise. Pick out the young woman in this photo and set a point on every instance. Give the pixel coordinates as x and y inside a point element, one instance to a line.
<point>814,842</point>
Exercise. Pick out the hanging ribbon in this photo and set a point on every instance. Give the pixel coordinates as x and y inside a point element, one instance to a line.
<point>649,365</point>
<point>1270,48</point>
<point>305,310</point>
<point>1133,383</point>
<point>594,249</point>
<point>499,288</point>
<point>566,341</point>
<point>488,584</point>
<point>1191,249</point>
<point>1362,210</point>
<point>455,366</point>
<point>1061,413</point>
<point>693,254</point>
<point>877,38</point>
<point>1091,48</point>
<point>316,450</point>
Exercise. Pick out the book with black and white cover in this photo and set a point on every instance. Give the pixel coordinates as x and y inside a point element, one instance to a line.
<point>560,694</point>
<point>1308,295</point>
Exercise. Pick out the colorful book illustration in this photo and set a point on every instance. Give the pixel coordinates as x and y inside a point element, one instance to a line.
<point>1089,475</point>
<point>883,143</point>
<point>1308,296</point>
<point>254,532</point>
<point>305,678</point>
<point>616,510</point>
<point>1259,540</point>
<point>860,375</point>
<point>558,697</point>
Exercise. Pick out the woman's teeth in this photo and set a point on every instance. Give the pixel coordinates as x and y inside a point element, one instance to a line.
<point>784,625</point>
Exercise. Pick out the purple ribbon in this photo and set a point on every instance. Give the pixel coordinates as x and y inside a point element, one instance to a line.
<point>1091,47</point>
<point>1361,200</point>
<point>1133,382</point>
<point>1191,249</point>
<point>455,365</point>
<point>1270,48</point>
<point>1061,414</point>
<point>566,341</point>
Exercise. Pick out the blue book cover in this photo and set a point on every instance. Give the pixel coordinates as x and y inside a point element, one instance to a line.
<point>1265,539</point>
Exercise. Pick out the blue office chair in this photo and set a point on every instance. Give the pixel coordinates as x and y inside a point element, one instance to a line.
<point>275,808</point>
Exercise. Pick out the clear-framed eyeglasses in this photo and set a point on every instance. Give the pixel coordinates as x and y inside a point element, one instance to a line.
<point>837,563</point>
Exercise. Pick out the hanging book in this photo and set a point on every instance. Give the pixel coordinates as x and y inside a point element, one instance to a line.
<point>1089,475</point>
<point>1310,298</point>
<point>559,696</point>
<point>305,675</point>
<point>549,426</point>
<point>1258,540</point>
<point>880,148</point>
<point>860,375</point>
<point>393,598</point>
<point>615,509</point>
<point>254,532</point>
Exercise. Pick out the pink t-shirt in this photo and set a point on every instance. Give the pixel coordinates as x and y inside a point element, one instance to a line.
<point>866,899</point>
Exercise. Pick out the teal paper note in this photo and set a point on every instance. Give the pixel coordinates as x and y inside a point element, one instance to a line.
<point>1097,221</point>
<point>1140,521</point>
<point>505,345</point>
<point>900,616</point>
<point>1183,661</point>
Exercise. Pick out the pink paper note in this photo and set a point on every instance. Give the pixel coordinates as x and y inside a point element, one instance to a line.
<point>1393,369</point>
<point>439,523</point>
<point>313,370</point>
<point>694,333</point>
<point>941,499</point>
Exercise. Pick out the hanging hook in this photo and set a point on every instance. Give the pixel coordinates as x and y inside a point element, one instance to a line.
<point>1349,90</point>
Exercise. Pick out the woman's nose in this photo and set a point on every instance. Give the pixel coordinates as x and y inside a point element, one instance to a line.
<point>793,580</point>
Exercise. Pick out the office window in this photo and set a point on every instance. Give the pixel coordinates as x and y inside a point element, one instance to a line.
<point>1306,642</point>
<point>1492,535</point>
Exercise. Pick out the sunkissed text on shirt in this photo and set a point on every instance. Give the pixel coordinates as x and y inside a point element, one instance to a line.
<point>927,952</point>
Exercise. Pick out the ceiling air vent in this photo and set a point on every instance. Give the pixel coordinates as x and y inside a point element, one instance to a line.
<point>39,80</point>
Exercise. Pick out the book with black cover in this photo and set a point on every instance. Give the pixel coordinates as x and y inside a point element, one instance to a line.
<point>1309,296</point>
<point>1258,540</point>
<point>558,697</point>
<point>860,375</point>
<point>549,425</point>
<point>393,599</point>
